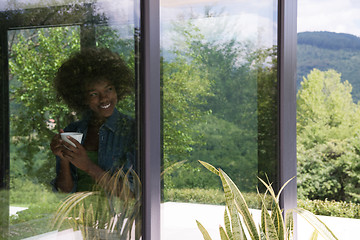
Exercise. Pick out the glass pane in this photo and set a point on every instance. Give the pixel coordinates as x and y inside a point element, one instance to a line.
<point>73,74</point>
<point>219,83</point>
<point>328,94</point>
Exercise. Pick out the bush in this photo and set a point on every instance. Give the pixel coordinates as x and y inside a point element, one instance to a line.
<point>39,199</point>
<point>217,197</point>
<point>331,208</point>
<point>25,192</point>
<point>206,196</point>
<point>41,202</point>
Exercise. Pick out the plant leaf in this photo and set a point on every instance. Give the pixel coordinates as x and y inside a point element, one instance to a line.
<point>282,188</point>
<point>268,225</point>
<point>172,167</point>
<point>203,231</point>
<point>243,233</point>
<point>70,203</point>
<point>227,224</point>
<point>235,221</point>
<point>289,224</point>
<point>276,213</point>
<point>277,218</point>
<point>234,215</point>
<point>314,235</point>
<point>316,223</point>
<point>210,167</point>
<point>223,234</point>
<point>240,203</point>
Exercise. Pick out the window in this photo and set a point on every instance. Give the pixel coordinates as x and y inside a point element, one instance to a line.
<point>270,36</point>
<point>38,39</point>
<point>327,112</point>
<point>220,104</point>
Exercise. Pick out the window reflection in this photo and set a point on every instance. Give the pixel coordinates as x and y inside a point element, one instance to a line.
<point>41,37</point>
<point>219,63</point>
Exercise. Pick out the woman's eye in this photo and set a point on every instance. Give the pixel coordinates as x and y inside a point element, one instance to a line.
<point>93,94</point>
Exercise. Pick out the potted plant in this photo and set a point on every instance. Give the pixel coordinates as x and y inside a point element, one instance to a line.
<point>240,225</point>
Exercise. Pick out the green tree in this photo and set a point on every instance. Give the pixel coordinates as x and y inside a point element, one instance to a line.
<point>265,69</point>
<point>327,138</point>
<point>230,134</point>
<point>34,58</point>
<point>183,90</point>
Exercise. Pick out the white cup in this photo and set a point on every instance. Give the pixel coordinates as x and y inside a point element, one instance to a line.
<point>77,136</point>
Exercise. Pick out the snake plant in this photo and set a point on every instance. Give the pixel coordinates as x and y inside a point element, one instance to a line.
<point>110,211</point>
<point>240,225</point>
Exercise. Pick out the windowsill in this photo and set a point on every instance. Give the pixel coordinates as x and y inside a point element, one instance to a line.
<point>178,222</point>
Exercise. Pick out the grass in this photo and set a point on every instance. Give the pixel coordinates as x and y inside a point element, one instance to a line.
<point>41,202</point>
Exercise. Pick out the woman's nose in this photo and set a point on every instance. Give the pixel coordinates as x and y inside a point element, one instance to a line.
<point>103,97</point>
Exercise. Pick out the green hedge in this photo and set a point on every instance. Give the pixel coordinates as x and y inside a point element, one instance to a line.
<point>215,196</point>
<point>331,208</point>
<point>206,196</point>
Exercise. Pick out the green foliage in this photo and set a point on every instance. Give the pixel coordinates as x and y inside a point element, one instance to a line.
<point>36,193</point>
<point>265,63</point>
<point>223,145</point>
<point>327,138</point>
<point>329,171</point>
<point>183,88</point>
<point>331,208</point>
<point>41,204</point>
<point>112,210</point>
<point>273,225</point>
<point>35,56</point>
<point>233,119</point>
<point>216,197</point>
<point>194,195</point>
<point>209,196</point>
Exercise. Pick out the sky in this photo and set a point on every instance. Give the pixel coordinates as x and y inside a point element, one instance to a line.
<point>341,16</point>
<point>242,20</point>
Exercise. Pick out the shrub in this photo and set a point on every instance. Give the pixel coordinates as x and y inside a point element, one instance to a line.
<point>216,196</point>
<point>207,196</point>
<point>331,208</point>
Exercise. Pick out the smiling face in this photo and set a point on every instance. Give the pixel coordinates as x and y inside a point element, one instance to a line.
<point>101,99</point>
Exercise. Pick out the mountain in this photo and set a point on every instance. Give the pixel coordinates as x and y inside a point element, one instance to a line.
<point>329,40</point>
<point>328,50</point>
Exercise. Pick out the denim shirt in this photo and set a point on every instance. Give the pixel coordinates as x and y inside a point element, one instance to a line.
<point>116,144</point>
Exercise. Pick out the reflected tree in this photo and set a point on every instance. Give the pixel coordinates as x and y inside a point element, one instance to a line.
<point>228,129</point>
<point>36,113</point>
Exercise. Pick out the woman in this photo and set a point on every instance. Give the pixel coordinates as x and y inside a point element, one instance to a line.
<point>92,82</point>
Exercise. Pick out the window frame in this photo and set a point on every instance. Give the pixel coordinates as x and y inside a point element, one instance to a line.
<point>287,38</point>
<point>149,107</point>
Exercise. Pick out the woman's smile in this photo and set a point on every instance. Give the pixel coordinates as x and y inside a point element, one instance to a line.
<point>102,98</point>
<point>105,106</point>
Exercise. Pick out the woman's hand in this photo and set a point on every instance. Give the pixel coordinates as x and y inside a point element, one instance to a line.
<point>76,155</point>
<point>57,144</point>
